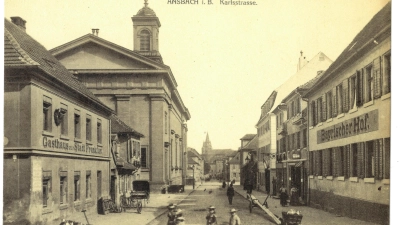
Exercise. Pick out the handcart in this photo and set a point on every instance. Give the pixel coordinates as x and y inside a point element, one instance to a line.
<point>255,203</point>
<point>139,196</point>
<point>291,218</point>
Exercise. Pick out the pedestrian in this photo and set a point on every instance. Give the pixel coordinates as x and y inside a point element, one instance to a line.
<point>180,221</point>
<point>234,220</point>
<point>223,184</point>
<point>171,214</point>
<point>230,193</point>
<point>283,195</point>
<point>211,217</point>
<point>294,196</point>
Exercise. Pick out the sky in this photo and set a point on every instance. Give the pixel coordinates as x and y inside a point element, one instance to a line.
<point>226,59</point>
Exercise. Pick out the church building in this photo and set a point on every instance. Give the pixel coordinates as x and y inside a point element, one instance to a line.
<point>141,89</point>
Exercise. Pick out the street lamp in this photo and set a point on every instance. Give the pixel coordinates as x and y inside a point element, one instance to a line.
<point>192,166</point>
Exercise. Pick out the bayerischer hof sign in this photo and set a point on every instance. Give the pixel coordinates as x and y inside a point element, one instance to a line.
<point>361,124</point>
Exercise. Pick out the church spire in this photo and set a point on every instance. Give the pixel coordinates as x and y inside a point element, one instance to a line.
<point>207,138</point>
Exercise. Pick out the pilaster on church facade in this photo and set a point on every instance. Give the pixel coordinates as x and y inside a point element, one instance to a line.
<point>140,88</point>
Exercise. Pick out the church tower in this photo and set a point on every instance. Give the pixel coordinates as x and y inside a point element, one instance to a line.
<point>206,147</point>
<point>145,33</point>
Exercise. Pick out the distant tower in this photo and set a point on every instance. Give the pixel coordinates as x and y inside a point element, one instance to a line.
<point>302,61</point>
<point>145,33</point>
<point>206,147</point>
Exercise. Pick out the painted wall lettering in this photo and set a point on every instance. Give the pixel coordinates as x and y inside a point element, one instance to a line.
<point>72,147</point>
<point>361,124</point>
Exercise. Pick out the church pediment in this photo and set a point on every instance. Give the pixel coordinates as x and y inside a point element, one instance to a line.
<point>93,53</point>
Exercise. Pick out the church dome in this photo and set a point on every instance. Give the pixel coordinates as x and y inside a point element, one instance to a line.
<point>146,11</point>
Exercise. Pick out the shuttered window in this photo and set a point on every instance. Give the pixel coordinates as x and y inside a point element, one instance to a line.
<point>386,152</point>
<point>360,160</point>
<point>360,88</point>
<point>377,78</point>
<point>353,91</point>
<point>313,114</point>
<point>144,40</point>
<point>334,103</point>
<point>354,160</point>
<point>339,98</point>
<point>386,70</point>
<point>346,161</point>
<point>329,105</point>
<point>370,159</point>
<point>369,83</point>
<point>319,110</point>
<point>345,95</point>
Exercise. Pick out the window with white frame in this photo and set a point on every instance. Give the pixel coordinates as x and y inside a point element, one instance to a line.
<point>88,184</point>
<point>64,119</point>
<point>77,185</point>
<point>63,187</point>
<point>46,188</point>
<point>99,131</point>
<point>88,127</point>
<point>77,124</point>
<point>47,125</point>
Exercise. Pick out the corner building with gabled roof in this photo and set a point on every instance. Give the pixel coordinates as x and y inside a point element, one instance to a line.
<point>141,89</point>
<point>349,127</point>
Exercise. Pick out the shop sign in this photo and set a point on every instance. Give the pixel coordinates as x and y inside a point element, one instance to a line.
<point>66,146</point>
<point>358,125</point>
<point>296,155</point>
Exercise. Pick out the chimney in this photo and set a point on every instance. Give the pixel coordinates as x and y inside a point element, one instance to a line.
<point>19,22</point>
<point>95,31</point>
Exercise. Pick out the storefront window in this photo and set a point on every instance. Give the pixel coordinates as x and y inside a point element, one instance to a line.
<point>46,188</point>
<point>88,184</point>
<point>77,177</point>
<point>63,188</point>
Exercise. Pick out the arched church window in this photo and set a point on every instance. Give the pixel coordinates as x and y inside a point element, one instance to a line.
<point>144,40</point>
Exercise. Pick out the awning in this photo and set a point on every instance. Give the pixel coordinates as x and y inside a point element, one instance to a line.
<point>125,167</point>
<point>299,164</point>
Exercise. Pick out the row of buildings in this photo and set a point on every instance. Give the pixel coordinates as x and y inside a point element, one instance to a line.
<point>85,119</point>
<point>330,137</point>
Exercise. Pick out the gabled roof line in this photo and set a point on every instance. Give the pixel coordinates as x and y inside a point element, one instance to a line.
<point>20,51</point>
<point>95,39</point>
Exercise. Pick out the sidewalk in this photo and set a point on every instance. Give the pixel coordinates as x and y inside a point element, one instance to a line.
<point>310,215</point>
<point>156,207</point>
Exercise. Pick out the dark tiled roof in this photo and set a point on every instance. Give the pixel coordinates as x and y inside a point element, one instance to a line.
<point>22,50</point>
<point>248,137</point>
<point>191,161</point>
<point>252,144</point>
<point>118,126</point>
<point>235,160</point>
<point>380,22</point>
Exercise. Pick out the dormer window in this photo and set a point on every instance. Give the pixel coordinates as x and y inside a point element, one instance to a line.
<point>144,40</point>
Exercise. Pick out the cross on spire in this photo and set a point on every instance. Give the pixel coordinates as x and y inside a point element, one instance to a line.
<point>145,3</point>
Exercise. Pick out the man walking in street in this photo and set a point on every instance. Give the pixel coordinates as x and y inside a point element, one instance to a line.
<point>211,217</point>
<point>230,193</point>
<point>171,214</point>
<point>234,220</point>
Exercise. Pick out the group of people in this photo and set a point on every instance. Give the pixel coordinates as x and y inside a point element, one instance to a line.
<point>175,215</point>
<point>212,218</point>
<point>294,197</point>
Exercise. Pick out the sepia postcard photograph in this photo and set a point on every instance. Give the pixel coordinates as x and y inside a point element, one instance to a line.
<point>216,112</point>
